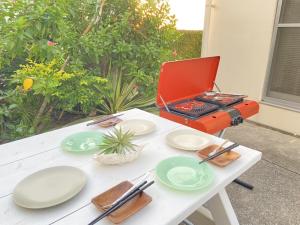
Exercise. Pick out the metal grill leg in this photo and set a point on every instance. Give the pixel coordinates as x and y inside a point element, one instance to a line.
<point>244,184</point>
<point>221,134</point>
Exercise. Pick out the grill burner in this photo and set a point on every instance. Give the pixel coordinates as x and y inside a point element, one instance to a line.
<point>192,108</point>
<point>220,99</point>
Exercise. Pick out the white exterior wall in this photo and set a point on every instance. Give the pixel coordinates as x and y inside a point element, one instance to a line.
<point>241,32</point>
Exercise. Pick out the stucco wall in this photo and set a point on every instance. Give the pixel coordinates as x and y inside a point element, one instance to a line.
<point>240,32</point>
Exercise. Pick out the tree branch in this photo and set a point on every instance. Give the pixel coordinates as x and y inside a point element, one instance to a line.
<point>96,18</point>
<point>94,21</point>
<point>40,113</point>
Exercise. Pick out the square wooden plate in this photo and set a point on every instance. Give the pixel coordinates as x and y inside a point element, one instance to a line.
<point>222,160</point>
<point>110,122</point>
<point>127,210</point>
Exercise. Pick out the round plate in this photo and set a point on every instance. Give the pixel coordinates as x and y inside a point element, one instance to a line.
<point>49,187</point>
<point>187,140</point>
<point>184,173</point>
<point>88,141</point>
<point>137,126</point>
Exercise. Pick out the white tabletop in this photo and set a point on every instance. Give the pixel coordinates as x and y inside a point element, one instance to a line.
<point>21,158</point>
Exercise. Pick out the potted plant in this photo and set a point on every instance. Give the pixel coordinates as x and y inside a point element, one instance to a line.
<point>117,148</point>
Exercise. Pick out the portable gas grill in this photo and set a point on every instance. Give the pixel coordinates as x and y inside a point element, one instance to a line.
<point>185,96</point>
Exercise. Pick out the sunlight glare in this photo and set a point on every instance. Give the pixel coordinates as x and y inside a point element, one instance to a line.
<point>189,13</point>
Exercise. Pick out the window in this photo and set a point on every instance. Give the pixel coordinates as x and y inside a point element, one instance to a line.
<point>283,83</point>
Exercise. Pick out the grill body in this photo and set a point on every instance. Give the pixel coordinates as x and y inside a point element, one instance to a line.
<point>182,87</point>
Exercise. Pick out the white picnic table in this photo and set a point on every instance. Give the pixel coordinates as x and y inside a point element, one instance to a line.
<point>21,158</point>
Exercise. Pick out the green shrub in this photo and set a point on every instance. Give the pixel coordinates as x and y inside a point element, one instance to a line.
<point>67,48</point>
<point>132,35</point>
<point>123,96</point>
<point>54,89</point>
<point>189,44</point>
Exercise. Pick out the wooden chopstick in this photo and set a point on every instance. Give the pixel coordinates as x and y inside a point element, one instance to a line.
<point>117,206</point>
<point>218,148</point>
<point>104,119</point>
<point>220,153</point>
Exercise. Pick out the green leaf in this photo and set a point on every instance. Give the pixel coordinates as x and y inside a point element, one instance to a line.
<point>117,142</point>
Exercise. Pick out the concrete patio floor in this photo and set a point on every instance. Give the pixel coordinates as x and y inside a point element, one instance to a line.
<point>275,199</point>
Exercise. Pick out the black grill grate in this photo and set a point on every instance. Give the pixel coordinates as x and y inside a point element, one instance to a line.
<point>192,108</point>
<point>220,99</point>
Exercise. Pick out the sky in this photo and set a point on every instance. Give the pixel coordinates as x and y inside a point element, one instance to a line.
<point>189,13</point>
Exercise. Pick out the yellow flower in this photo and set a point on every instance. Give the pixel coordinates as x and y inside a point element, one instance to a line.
<point>27,84</point>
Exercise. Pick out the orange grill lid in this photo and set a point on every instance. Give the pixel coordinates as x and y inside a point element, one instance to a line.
<point>186,78</point>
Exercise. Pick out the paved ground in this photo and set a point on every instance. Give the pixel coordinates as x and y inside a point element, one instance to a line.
<point>275,199</point>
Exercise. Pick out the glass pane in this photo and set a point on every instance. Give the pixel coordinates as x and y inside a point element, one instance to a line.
<point>290,11</point>
<point>285,68</point>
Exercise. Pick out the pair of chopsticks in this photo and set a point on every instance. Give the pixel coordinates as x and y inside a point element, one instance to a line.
<point>219,153</point>
<point>218,148</point>
<point>127,197</point>
<point>136,186</point>
<point>103,119</point>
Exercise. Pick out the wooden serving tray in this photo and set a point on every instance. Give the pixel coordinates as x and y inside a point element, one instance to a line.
<point>127,210</point>
<point>222,160</point>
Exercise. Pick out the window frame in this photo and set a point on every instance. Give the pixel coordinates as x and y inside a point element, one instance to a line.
<point>290,105</point>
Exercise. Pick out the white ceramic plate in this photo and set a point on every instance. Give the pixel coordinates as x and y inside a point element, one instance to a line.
<point>49,187</point>
<point>137,126</point>
<point>187,140</point>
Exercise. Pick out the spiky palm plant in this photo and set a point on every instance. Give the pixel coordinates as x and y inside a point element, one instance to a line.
<point>117,142</point>
<point>123,95</point>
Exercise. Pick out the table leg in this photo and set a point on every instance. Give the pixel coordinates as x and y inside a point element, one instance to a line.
<point>238,181</point>
<point>221,209</point>
<point>187,222</point>
<point>221,134</point>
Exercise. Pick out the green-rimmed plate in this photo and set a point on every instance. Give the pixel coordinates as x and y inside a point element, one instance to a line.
<point>184,173</point>
<point>83,142</point>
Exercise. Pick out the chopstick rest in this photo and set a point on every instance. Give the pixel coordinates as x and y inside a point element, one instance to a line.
<point>219,153</point>
<point>130,191</point>
<point>220,161</point>
<point>110,122</point>
<point>137,198</point>
<point>103,119</point>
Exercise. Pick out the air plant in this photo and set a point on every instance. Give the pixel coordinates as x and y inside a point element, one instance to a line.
<point>117,142</point>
